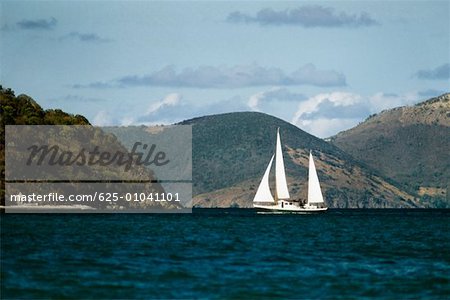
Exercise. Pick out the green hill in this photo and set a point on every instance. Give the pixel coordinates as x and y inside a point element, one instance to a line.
<point>231,152</point>
<point>409,144</point>
<point>23,110</point>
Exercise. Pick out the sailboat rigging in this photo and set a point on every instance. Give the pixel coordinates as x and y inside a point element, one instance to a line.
<point>264,200</point>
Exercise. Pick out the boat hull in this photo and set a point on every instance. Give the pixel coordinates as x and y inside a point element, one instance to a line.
<point>289,208</point>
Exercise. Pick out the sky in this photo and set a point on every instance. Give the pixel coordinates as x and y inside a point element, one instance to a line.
<point>322,66</point>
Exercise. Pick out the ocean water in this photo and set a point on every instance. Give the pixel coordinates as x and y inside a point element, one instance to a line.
<point>385,254</point>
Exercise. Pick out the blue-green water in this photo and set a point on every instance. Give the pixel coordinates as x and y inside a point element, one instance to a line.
<point>227,254</point>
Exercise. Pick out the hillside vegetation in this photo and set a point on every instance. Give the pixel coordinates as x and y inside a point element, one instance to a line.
<point>231,152</point>
<point>409,144</point>
<point>23,110</point>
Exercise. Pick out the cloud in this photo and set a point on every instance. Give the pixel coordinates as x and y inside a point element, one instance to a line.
<point>39,24</point>
<point>170,100</point>
<point>170,109</point>
<point>322,115</point>
<point>158,112</point>
<point>274,94</point>
<point>84,37</point>
<point>103,118</point>
<point>324,127</point>
<point>6,28</point>
<point>235,77</point>
<point>438,73</point>
<point>307,16</point>
<point>182,110</point>
<point>328,101</point>
<point>227,77</point>
<point>93,85</point>
<point>382,101</point>
<point>326,114</point>
<point>330,110</point>
<point>76,98</point>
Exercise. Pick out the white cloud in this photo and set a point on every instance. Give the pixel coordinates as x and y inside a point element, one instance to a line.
<point>322,115</point>
<point>172,99</point>
<point>253,101</point>
<point>173,109</point>
<point>313,104</point>
<point>127,121</point>
<point>157,112</point>
<point>102,118</point>
<point>326,114</point>
<point>272,95</point>
<point>323,127</point>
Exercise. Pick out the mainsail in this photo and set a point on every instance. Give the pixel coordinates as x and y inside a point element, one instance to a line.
<point>314,192</point>
<point>280,174</point>
<point>263,193</point>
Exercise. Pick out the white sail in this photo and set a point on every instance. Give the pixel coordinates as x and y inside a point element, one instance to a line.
<point>263,193</point>
<point>280,174</point>
<point>314,192</point>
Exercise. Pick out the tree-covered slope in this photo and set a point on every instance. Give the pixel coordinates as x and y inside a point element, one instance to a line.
<point>23,110</point>
<point>231,152</point>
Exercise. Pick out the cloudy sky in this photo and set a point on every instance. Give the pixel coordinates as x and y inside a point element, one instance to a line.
<point>323,66</point>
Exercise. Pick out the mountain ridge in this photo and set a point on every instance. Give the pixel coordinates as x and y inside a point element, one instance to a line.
<point>408,144</point>
<point>231,152</point>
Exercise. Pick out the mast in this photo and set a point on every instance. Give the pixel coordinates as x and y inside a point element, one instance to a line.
<point>314,192</point>
<point>281,188</point>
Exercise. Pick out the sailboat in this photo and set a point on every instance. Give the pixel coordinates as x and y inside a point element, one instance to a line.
<point>264,200</point>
